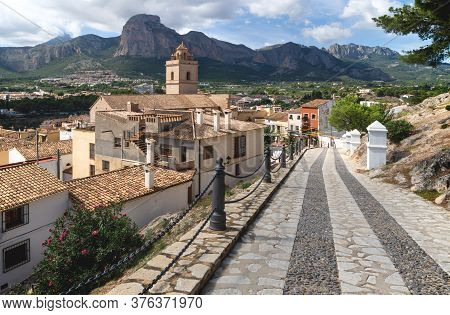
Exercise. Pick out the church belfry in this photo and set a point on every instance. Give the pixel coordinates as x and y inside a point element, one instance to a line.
<point>181,72</point>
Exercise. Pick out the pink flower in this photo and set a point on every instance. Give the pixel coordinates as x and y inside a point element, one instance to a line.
<point>50,239</point>
<point>84,252</point>
<point>94,233</point>
<point>63,235</point>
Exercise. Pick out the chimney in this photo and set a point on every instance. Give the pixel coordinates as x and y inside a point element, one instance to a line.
<point>199,116</point>
<point>149,177</point>
<point>150,157</point>
<point>132,107</point>
<point>227,114</point>
<point>216,119</point>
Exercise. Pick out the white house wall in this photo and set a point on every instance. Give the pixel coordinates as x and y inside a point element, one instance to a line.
<point>42,214</point>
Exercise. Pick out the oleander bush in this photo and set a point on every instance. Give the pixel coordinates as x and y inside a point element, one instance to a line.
<point>81,244</point>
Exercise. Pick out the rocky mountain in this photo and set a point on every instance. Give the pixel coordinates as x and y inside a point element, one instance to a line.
<point>353,51</point>
<point>145,43</point>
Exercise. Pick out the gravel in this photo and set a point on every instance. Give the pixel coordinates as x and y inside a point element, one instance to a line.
<point>421,274</point>
<point>313,267</point>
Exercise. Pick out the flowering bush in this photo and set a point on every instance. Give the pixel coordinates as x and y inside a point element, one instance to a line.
<point>81,244</point>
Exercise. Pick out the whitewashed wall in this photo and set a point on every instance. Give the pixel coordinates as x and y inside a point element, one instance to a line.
<point>42,214</point>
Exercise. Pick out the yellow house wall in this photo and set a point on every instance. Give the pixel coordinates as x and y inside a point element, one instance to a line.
<point>80,152</point>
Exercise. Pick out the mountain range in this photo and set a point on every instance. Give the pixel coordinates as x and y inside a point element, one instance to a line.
<point>145,44</point>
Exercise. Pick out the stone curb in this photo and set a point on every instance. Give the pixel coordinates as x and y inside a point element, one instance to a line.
<point>195,267</point>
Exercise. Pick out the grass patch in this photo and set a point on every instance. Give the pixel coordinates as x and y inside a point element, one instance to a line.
<point>430,195</point>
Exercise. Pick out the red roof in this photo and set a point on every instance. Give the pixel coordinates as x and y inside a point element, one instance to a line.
<point>315,103</point>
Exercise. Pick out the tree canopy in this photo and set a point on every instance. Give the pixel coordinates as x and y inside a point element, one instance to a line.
<point>429,19</point>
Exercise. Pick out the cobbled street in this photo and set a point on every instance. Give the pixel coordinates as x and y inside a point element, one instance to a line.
<point>332,230</point>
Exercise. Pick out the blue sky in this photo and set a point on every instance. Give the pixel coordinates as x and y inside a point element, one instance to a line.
<point>255,23</point>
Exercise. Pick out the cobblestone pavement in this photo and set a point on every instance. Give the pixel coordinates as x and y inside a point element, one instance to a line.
<point>259,261</point>
<point>372,238</point>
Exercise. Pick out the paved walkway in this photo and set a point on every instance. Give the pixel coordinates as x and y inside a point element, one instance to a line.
<point>331,230</point>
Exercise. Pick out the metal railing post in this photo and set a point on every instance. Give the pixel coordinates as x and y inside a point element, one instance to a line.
<point>283,156</point>
<point>218,218</point>
<point>267,156</point>
<point>291,151</point>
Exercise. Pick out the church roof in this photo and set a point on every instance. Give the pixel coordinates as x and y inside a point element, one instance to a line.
<point>166,101</point>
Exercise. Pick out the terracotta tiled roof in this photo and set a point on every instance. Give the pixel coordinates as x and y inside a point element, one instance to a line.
<point>9,133</point>
<point>46,149</point>
<point>25,183</point>
<point>295,111</point>
<point>9,143</point>
<point>281,116</point>
<point>121,185</point>
<point>206,130</point>
<point>164,101</point>
<point>315,103</point>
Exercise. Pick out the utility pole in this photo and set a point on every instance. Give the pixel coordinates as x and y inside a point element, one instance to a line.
<point>37,146</point>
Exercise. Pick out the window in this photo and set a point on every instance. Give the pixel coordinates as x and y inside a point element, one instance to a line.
<point>126,144</point>
<point>188,76</point>
<point>297,128</point>
<point>305,116</point>
<point>208,152</point>
<point>313,116</point>
<point>291,117</point>
<point>91,151</point>
<point>16,255</point>
<point>298,117</point>
<point>15,218</point>
<point>165,149</point>
<point>91,170</point>
<point>237,170</point>
<point>172,75</point>
<point>240,146</point>
<point>105,166</point>
<point>117,142</point>
<point>183,152</point>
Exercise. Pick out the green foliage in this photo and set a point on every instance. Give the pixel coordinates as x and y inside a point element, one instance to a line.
<point>81,244</point>
<point>429,19</point>
<point>398,130</point>
<point>430,195</point>
<point>447,107</point>
<point>347,114</point>
<point>245,185</point>
<point>69,104</point>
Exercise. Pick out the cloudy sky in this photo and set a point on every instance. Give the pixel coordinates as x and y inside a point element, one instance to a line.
<point>255,23</point>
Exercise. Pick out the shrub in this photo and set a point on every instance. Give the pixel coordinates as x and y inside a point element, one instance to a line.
<point>81,244</point>
<point>398,130</point>
<point>447,107</point>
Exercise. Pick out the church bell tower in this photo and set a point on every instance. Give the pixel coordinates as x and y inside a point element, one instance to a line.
<point>181,72</point>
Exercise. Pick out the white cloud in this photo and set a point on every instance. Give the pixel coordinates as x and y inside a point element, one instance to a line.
<point>363,11</point>
<point>327,32</point>
<point>277,8</point>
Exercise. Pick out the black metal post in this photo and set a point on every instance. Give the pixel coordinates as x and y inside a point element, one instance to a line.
<point>267,176</point>
<point>291,151</point>
<point>283,156</point>
<point>218,218</point>
<point>58,164</point>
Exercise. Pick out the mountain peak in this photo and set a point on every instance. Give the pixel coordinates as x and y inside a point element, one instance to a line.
<point>58,40</point>
<point>144,18</point>
<point>354,51</point>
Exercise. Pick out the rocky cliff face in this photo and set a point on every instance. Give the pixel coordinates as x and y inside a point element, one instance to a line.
<point>353,51</point>
<point>31,58</point>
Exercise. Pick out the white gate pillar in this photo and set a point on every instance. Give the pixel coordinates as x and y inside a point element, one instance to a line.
<point>377,145</point>
<point>347,142</point>
<point>355,140</point>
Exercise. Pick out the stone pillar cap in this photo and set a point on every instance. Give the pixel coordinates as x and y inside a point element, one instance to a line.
<point>376,126</point>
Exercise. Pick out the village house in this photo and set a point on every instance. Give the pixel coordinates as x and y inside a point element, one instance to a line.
<point>56,157</point>
<point>295,120</point>
<point>278,124</point>
<point>315,116</point>
<point>31,199</point>
<point>144,191</point>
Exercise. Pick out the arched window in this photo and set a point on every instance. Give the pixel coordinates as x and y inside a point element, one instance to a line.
<point>188,76</point>
<point>172,76</point>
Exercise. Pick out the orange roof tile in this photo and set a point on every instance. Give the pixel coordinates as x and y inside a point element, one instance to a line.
<point>25,183</point>
<point>315,103</point>
<point>121,185</point>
